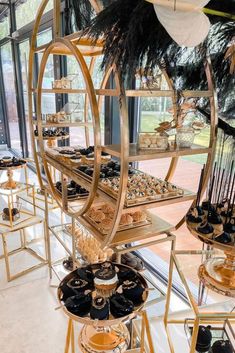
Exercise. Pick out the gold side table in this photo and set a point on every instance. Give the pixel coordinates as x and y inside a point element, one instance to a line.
<point>187,264</point>
<point>21,228</point>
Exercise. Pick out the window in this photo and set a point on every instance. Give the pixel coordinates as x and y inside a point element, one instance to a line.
<point>10,94</point>
<point>4,27</point>
<point>26,12</point>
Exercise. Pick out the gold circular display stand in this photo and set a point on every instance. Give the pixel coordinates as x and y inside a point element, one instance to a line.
<point>109,335</point>
<point>11,184</point>
<point>217,273</point>
<point>112,321</point>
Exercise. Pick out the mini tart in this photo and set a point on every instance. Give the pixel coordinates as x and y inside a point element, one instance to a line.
<point>99,309</point>
<point>126,219</point>
<point>105,281</point>
<point>126,274</point>
<point>205,228</point>
<point>133,291</point>
<point>139,216</point>
<point>79,304</point>
<point>230,226</point>
<point>120,306</point>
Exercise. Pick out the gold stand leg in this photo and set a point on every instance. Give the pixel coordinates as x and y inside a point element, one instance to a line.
<point>68,336</point>
<point>5,250</point>
<point>194,335</point>
<point>47,235</point>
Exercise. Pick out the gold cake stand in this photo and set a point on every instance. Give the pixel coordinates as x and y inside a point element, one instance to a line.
<point>104,335</point>
<point>11,183</point>
<point>218,273</point>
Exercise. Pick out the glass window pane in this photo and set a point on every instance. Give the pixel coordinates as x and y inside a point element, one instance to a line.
<point>44,37</point>
<point>10,93</point>
<point>26,12</point>
<point>24,57</point>
<point>4,27</point>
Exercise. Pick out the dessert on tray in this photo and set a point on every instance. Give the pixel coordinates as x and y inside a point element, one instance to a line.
<point>102,218</point>
<point>103,291</point>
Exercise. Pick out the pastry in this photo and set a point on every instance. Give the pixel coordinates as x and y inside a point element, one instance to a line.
<point>205,228</point>
<point>106,223</point>
<point>214,218</point>
<point>203,339</point>
<point>79,304</point>
<point>230,226</point>
<point>194,218</point>
<point>68,264</point>
<point>105,281</point>
<point>99,309</point>
<point>125,275</point>
<point>126,219</point>
<point>222,346</point>
<point>75,159</point>
<point>15,214</point>
<point>120,306</point>
<point>86,274</point>
<point>133,291</point>
<point>139,216</point>
<point>73,287</point>
<point>106,208</point>
<point>98,216</point>
<point>223,238</point>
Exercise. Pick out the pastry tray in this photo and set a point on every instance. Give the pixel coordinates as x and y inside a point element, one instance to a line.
<point>73,197</point>
<point>121,228</point>
<point>136,201</point>
<point>111,321</point>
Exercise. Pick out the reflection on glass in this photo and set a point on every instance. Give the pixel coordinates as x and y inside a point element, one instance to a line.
<point>10,93</point>
<point>4,27</point>
<point>48,100</point>
<point>26,12</point>
<point>24,56</point>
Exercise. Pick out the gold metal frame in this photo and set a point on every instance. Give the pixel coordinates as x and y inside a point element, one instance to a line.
<point>34,220</point>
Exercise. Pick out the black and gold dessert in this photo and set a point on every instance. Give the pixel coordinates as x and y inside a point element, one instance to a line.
<point>214,218</point>
<point>203,339</point>
<point>223,238</point>
<point>68,264</point>
<point>8,162</point>
<point>79,304</point>
<point>99,309</point>
<point>106,281</point>
<point>133,291</point>
<point>120,306</point>
<point>86,274</point>
<point>205,228</point>
<point>222,346</point>
<point>15,214</point>
<point>125,275</point>
<point>230,226</point>
<point>73,287</point>
<point>193,217</point>
<point>73,189</point>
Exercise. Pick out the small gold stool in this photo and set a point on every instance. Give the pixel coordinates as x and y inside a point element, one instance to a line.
<point>5,232</point>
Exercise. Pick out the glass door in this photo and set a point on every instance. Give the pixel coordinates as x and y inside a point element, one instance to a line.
<point>10,94</point>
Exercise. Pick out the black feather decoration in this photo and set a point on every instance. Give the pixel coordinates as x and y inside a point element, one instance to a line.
<point>83,13</point>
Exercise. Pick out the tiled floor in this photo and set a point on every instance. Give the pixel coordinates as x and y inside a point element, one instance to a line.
<point>28,321</point>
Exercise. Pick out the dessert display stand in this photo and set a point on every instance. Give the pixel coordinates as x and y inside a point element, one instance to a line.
<point>185,263</point>
<point>158,230</point>
<point>125,152</point>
